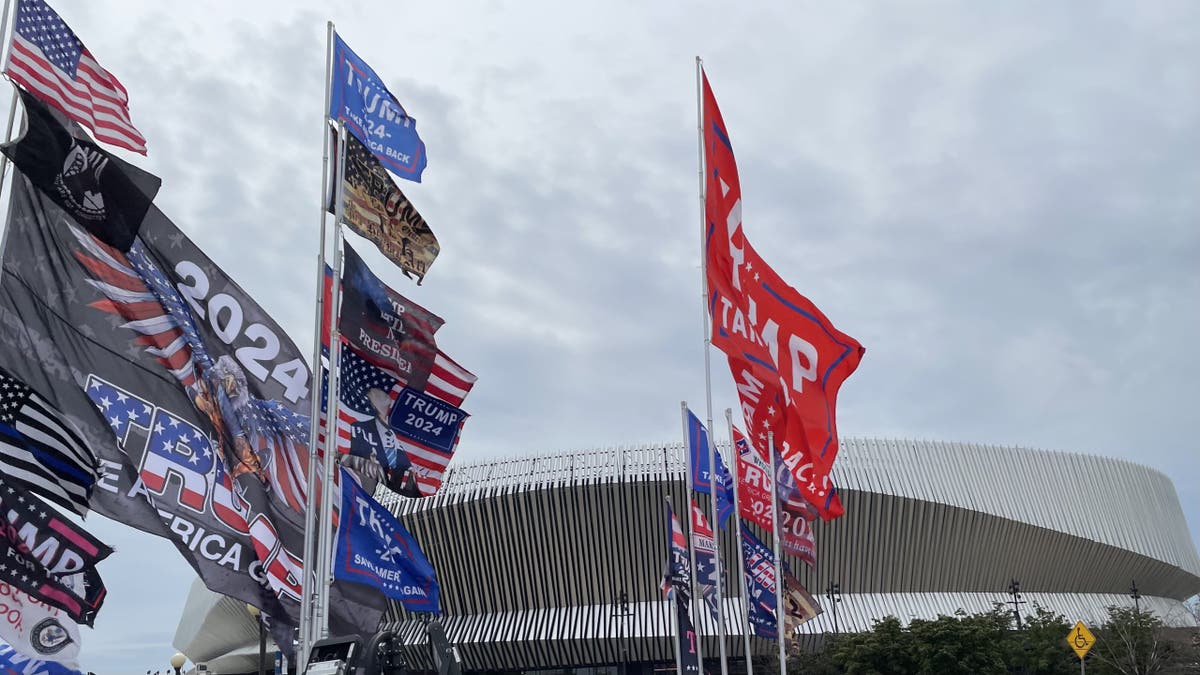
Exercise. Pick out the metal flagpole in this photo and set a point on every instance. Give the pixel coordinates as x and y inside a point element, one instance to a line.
<point>737,515</point>
<point>310,534</point>
<point>672,602</point>
<point>712,467</point>
<point>6,33</point>
<point>335,352</point>
<point>697,601</point>
<point>776,521</point>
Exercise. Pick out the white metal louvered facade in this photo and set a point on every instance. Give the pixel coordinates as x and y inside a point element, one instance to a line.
<point>531,552</point>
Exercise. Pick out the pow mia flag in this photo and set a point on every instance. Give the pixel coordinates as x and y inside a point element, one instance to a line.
<point>105,194</point>
<point>385,328</point>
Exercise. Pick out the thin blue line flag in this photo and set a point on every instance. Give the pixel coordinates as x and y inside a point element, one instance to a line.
<point>697,437</point>
<point>374,549</point>
<point>374,115</point>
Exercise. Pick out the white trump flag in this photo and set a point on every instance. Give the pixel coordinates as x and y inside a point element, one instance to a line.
<point>37,630</point>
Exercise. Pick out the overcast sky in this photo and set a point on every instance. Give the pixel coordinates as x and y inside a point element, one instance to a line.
<point>999,200</point>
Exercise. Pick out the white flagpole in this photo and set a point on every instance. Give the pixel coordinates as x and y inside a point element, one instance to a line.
<point>310,533</point>
<point>697,600</point>
<point>335,352</point>
<point>674,598</point>
<point>712,467</point>
<point>737,514</point>
<point>777,517</point>
<point>6,33</point>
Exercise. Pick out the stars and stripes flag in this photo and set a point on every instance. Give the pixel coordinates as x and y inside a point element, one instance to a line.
<point>41,450</point>
<point>50,61</point>
<point>677,577</point>
<point>449,381</point>
<point>358,377</point>
<point>705,546</point>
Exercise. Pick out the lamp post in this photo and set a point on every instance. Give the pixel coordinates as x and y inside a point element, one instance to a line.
<point>1014,589</point>
<point>622,611</point>
<point>834,594</point>
<point>177,661</point>
<point>1133,593</point>
<point>262,639</point>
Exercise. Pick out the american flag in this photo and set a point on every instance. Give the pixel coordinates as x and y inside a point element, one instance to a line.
<point>677,577</point>
<point>48,60</point>
<point>41,450</point>
<point>448,381</point>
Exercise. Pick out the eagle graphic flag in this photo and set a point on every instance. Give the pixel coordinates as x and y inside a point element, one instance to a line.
<point>193,399</point>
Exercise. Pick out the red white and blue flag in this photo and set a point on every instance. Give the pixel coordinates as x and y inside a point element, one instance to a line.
<point>678,578</point>
<point>49,61</point>
<point>705,547</point>
<point>358,434</point>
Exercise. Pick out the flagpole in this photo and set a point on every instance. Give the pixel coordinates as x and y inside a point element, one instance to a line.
<point>673,599</point>
<point>712,466</point>
<point>335,355</point>
<point>692,549</point>
<point>737,514</point>
<point>777,517</point>
<point>6,32</point>
<point>307,585</point>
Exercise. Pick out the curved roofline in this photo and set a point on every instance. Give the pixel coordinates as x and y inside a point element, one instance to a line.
<point>845,443</point>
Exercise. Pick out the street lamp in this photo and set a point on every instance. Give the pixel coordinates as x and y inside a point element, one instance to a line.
<point>622,611</point>
<point>262,638</point>
<point>1133,593</point>
<point>177,662</point>
<point>834,593</point>
<point>1014,589</point>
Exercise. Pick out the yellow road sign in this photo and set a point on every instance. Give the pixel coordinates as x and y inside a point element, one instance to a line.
<point>1081,639</point>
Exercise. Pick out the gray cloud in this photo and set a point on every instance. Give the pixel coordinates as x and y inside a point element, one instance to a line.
<point>997,200</point>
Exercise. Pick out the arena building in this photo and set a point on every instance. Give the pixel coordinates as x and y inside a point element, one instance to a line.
<point>533,553</point>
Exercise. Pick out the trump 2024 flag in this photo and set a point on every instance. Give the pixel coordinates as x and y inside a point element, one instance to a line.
<point>374,549</point>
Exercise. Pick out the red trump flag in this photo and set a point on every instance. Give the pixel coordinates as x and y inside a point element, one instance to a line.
<point>787,359</point>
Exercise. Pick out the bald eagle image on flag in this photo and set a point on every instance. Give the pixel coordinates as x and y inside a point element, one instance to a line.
<point>193,399</point>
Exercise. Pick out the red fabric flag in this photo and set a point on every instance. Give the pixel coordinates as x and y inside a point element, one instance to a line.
<point>50,62</point>
<point>755,482</point>
<point>787,359</point>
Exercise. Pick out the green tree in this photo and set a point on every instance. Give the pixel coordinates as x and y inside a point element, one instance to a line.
<point>1131,643</point>
<point>1041,648</point>
<point>885,650</point>
<point>961,644</point>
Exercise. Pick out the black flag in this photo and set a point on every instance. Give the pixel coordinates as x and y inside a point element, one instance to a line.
<point>194,400</point>
<point>384,327</point>
<point>41,549</point>
<point>103,193</point>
